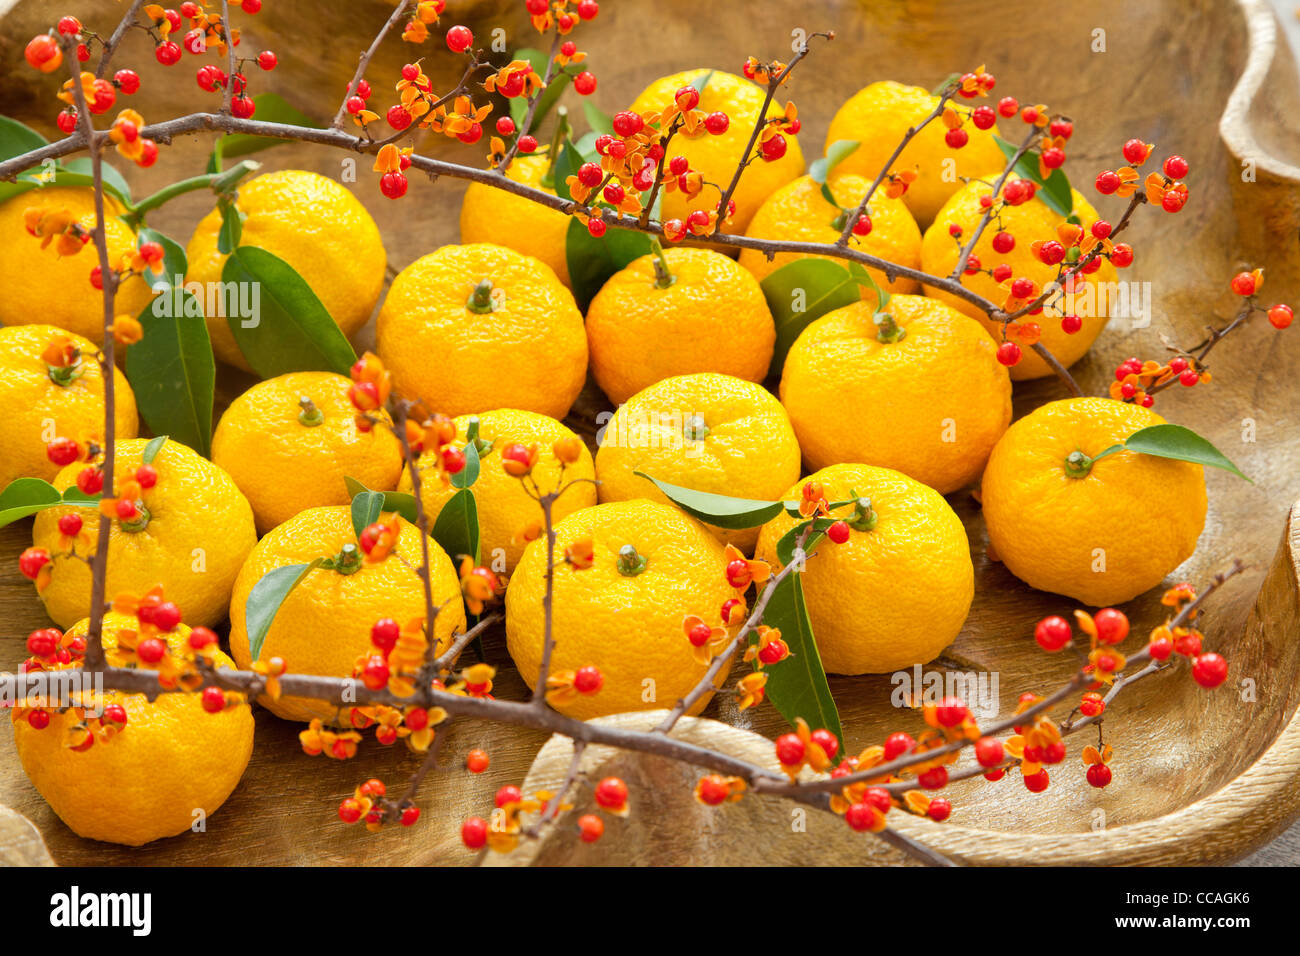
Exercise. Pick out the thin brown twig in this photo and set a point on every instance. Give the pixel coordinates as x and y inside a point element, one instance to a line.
<point>111,44</point>
<point>365,62</point>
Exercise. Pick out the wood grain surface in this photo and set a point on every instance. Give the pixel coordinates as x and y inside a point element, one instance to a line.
<point>1198,777</point>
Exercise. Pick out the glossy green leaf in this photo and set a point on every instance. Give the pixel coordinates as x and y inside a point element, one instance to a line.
<point>797,686</point>
<point>26,496</point>
<point>599,121</point>
<point>457,528</point>
<point>566,165</point>
<point>801,291</point>
<point>269,108</point>
<point>720,510</point>
<point>114,181</point>
<point>400,501</point>
<point>17,138</point>
<point>292,332</point>
<point>836,153</point>
<point>469,474</point>
<point>232,227</point>
<point>1055,190</point>
<point>592,261</point>
<point>265,599</point>
<point>172,371</point>
<point>785,546</point>
<point>366,509</point>
<point>702,81</point>
<point>151,450</point>
<point>550,95</point>
<point>171,270</point>
<point>1183,444</point>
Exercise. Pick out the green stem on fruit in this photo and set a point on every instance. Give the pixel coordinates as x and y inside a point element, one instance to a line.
<point>695,428</point>
<point>136,524</point>
<point>864,517</point>
<point>663,277</point>
<point>219,183</point>
<point>482,300</point>
<point>630,561</point>
<point>890,330</point>
<point>347,561</point>
<point>311,415</point>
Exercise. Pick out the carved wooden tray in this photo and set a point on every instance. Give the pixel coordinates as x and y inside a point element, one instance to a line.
<point>1198,777</point>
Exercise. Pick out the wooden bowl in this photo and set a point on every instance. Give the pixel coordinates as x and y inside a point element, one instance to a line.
<point>1199,777</point>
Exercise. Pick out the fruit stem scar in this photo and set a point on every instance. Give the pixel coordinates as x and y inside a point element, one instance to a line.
<point>1077,464</point>
<point>890,330</point>
<point>484,298</point>
<point>695,428</point>
<point>310,414</point>
<point>138,523</point>
<point>864,517</point>
<point>347,561</point>
<point>630,562</point>
<point>663,277</point>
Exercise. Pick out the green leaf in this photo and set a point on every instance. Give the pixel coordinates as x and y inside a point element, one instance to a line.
<point>172,372</point>
<point>232,227</point>
<point>818,285</point>
<point>469,474</point>
<point>26,496</point>
<point>860,274</point>
<point>400,501</point>
<point>549,96</point>
<point>151,450</point>
<point>174,264</point>
<point>720,510</point>
<point>114,181</point>
<point>53,174</point>
<point>269,108</point>
<point>592,261</point>
<point>1182,444</point>
<point>952,78</point>
<point>291,330</point>
<point>366,508</point>
<point>786,545</point>
<point>702,81</point>
<point>1055,189</point>
<point>456,529</point>
<point>797,686</point>
<point>17,138</point>
<point>836,153</point>
<point>265,599</point>
<point>599,121</point>
<point>566,165</point>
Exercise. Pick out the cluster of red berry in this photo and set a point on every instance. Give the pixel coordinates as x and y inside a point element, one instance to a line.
<point>611,795</point>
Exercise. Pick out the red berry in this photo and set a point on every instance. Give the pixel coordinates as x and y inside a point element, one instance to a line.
<point>267,60</point>
<point>194,42</point>
<point>69,26</point>
<point>1003,242</point>
<point>1173,201</point>
<point>126,509</point>
<point>584,84</point>
<point>772,653</point>
<point>90,480</point>
<point>839,532</point>
<point>972,264</point>
<point>1209,670</point>
<point>1051,252</point>
<point>790,750</point>
<point>1189,645</point>
<point>409,816</point>
<point>355,104</point>
<point>1243,283</point>
<point>398,116</point>
<point>70,524</point>
<point>1135,152</point>
<point>984,117</point>
<point>1053,633</point>
<point>1001,272</point>
<point>393,185</point>
<point>1099,775</point>
<point>45,642</point>
<point>167,53</point>
<point>863,226</point>
<point>1122,255</point>
<point>384,634</point>
<point>62,451</point>
<point>588,9</point>
<point>1107,182</point>
<point>699,635</point>
<point>995,775</point>
<point>151,650</point>
<point>950,712</point>
<point>473,832</point>
<point>956,138</point>
<point>596,226</point>
<point>476,761</point>
<point>860,817</point>
<point>505,125</point>
<point>1008,106</point>
<point>1092,705</point>
<point>43,53</point>
<point>1061,128</point>
<point>773,148</point>
<point>590,827</point>
<point>712,791</point>
<point>214,700</point>
<point>898,744</point>
<point>453,460</point>
<point>614,194</point>
<point>1037,782</point>
<point>989,752</point>
<point>611,793</point>
<point>1053,157</point>
<point>166,616</point>
<point>242,107</point>
<point>936,778</point>
<point>827,741</point>
<point>508,794</point>
<point>459,39</point>
<point>590,175</point>
<point>38,719</point>
<point>201,637</point>
<point>1009,353</point>
<point>588,680</point>
<point>527,143</point>
<point>687,98</point>
<point>717,123</point>
<point>1112,625</point>
<point>1029,114</point>
<point>190,10</point>
<point>1189,378</point>
<point>1280,316</point>
<point>1054,752</point>
<point>939,810</point>
<point>1070,324</point>
<point>251,6</point>
<point>410,71</point>
<point>375,673</point>
<point>1176,167</point>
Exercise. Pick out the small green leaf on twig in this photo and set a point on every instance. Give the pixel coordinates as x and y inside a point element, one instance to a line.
<point>719,510</point>
<point>266,597</point>
<point>836,153</point>
<point>400,501</point>
<point>151,450</point>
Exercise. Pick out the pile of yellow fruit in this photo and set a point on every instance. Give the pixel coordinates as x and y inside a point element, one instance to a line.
<point>680,342</point>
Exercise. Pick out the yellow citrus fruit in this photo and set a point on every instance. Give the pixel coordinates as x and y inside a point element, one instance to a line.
<point>798,212</point>
<point>879,115</point>
<point>42,287</point>
<point>708,432</point>
<point>505,507</point>
<point>315,225</point>
<point>195,531</point>
<point>1100,532</point>
<point>488,214</point>
<point>931,404</point>
<point>710,317</point>
<point>897,592</point>
<point>171,759</point>
<point>717,157</point>
<point>627,625</point>
<point>44,402</point>
<point>471,328</point>
<point>287,455</point>
<point>1025,223</point>
<point>324,624</point>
